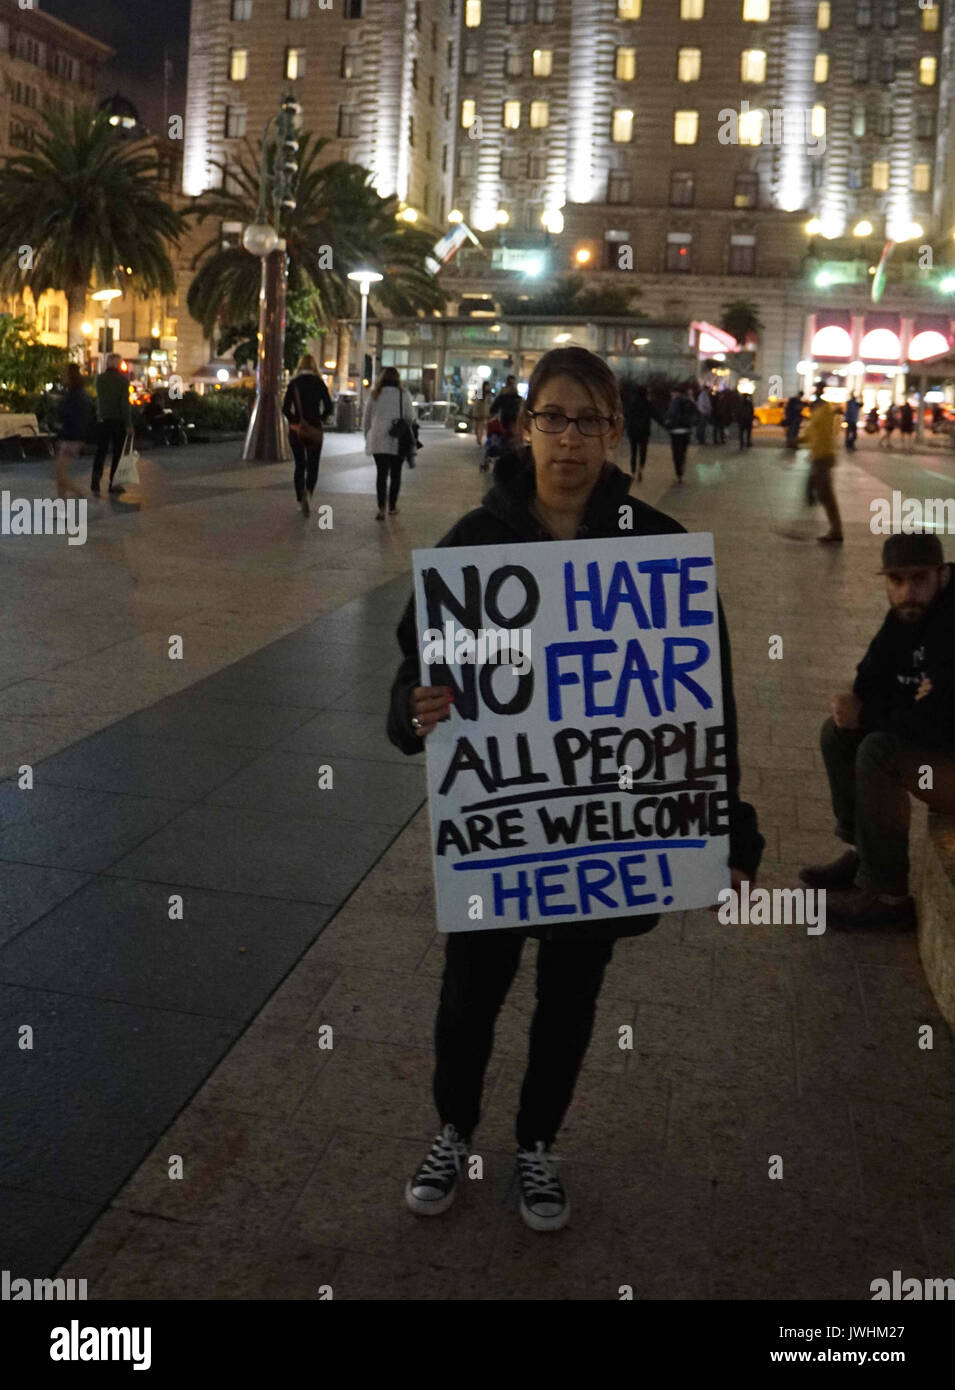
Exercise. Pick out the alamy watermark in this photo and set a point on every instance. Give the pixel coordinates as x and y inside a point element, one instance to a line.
<point>777,907</point>
<point>43,516</point>
<point>488,646</point>
<point>780,125</point>
<point>911,516</point>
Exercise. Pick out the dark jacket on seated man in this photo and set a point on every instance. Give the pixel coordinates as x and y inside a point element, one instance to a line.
<point>899,658</point>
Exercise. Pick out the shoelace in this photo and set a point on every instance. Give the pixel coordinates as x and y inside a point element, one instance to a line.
<point>439,1164</point>
<point>539,1173</point>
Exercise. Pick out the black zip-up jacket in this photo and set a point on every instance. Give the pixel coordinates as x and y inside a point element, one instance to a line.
<point>900,655</point>
<point>316,402</point>
<point>505,517</point>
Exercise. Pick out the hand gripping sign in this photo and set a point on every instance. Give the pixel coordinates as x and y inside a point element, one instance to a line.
<point>582,772</point>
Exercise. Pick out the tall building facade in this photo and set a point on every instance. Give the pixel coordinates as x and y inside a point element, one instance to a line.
<point>45,65</point>
<point>375,78</point>
<point>713,150</point>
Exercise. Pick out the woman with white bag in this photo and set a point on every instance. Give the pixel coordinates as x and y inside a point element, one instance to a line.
<point>389,436</point>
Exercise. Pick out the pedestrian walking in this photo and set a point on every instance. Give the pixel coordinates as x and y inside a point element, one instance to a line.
<point>75,421</point>
<point>114,421</point>
<point>307,407</point>
<point>480,411</point>
<point>821,433</point>
<point>638,414</point>
<point>792,418</point>
<point>704,405</point>
<point>721,415</point>
<point>389,436</point>
<point>853,410</point>
<point>508,392</point>
<point>680,419</point>
<point>560,487</point>
<point>891,424</point>
<point>907,425</point>
<point>744,420</point>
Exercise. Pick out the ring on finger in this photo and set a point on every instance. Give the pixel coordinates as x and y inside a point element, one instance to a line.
<point>416,722</point>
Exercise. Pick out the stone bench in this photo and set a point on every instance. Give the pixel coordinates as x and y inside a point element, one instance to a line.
<point>932,883</point>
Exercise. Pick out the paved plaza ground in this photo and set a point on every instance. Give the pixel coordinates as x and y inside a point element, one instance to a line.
<point>156,1036</point>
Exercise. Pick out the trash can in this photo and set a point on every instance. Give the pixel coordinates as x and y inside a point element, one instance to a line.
<point>347,417</point>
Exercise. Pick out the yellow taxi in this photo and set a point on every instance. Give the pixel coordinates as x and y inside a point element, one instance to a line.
<point>772,412</point>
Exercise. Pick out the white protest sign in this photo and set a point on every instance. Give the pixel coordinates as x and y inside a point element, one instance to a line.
<point>581,775</point>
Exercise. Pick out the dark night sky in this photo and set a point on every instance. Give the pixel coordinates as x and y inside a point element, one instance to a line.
<point>138,32</point>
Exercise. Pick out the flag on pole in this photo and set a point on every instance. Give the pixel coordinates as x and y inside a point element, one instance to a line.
<point>878,282</point>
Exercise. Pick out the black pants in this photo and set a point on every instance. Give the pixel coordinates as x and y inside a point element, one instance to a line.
<point>109,434</point>
<point>307,458</point>
<point>679,443</point>
<point>852,429</point>
<point>745,436</point>
<point>719,432</point>
<point>389,475</point>
<point>638,443</point>
<point>870,778</point>
<point>478,970</point>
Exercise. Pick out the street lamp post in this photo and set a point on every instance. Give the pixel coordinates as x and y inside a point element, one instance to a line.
<point>266,440</point>
<point>364,279</point>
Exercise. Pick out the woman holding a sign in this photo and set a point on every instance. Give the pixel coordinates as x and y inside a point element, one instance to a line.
<point>558,486</point>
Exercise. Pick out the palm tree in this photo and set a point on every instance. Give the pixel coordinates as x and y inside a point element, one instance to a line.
<point>338,224</point>
<point>741,318</point>
<point>83,203</point>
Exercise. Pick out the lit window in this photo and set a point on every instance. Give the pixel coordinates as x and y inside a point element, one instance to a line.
<point>751,127</point>
<point>823,14</point>
<point>472,13</point>
<point>629,9</point>
<point>542,61</point>
<point>686,125</point>
<point>922,178</point>
<point>625,69</point>
<point>468,112</point>
<point>618,187</point>
<point>820,71</point>
<point>540,115</point>
<point>511,115</point>
<point>880,175</point>
<point>691,9</point>
<point>238,64</point>
<point>858,121</point>
<point>930,19</point>
<point>927,69</point>
<point>752,65</point>
<point>688,65</point>
<point>817,123</point>
<point>622,127</point>
<point>756,11</point>
<point>294,63</point>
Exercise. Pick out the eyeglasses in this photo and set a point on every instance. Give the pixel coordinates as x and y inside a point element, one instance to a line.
<point>590,423</point>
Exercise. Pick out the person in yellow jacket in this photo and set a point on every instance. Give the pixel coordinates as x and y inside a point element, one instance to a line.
<point>821,432</point>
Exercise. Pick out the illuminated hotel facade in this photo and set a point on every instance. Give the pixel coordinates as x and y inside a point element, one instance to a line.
<point>712,150</point>
<point>700,151</point>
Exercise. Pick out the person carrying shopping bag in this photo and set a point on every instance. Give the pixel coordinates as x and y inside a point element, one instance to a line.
<point>307,406</point>
<point>389,436</point>
<point>559,485</point>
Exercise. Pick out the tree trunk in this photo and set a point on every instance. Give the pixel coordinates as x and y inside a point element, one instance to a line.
<point>75,314</point>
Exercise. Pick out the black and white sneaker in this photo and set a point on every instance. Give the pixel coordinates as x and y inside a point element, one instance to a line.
<point>544,1205</point>
<point>434,1186</point>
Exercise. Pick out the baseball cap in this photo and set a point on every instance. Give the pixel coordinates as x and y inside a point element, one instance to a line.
<point>913,552</point>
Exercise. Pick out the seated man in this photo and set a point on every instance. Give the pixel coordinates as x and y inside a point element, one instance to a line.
<point>894,734</point>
